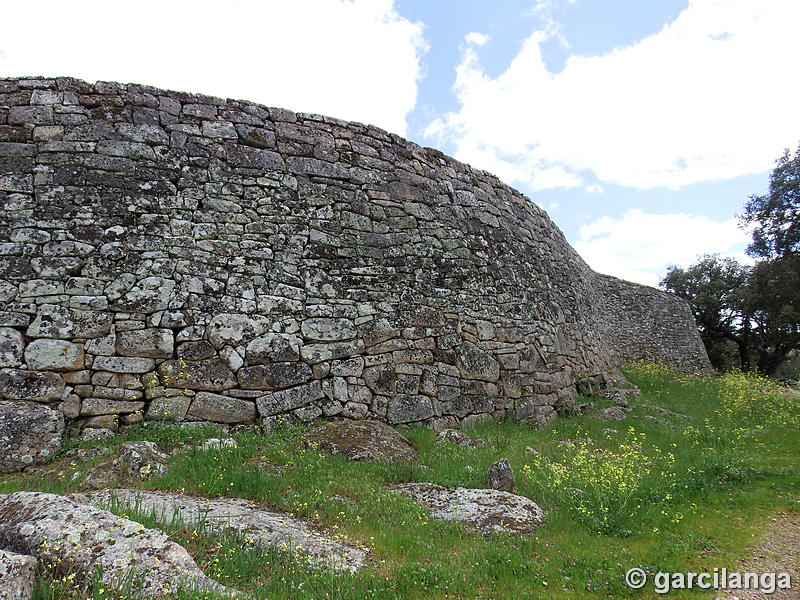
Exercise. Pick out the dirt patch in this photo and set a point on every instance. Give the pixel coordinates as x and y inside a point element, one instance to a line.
<point>778,553</point>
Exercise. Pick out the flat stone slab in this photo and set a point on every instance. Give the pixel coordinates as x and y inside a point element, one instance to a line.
<point>264,528</point>
<point>361,440</point>
<point>68,531</point>
<point>486,511</point>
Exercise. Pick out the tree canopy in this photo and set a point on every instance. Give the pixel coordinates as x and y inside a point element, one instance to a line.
<point>756,308</point>
<point>776,215</point>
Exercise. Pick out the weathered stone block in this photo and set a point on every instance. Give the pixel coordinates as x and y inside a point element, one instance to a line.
<point>324,329</point>
<point>282,401</point>
<point>474,363</point>
<point>352,367</point>
<point>18,575</point>
<point>408,408</point>
<point>29,434</point>
<point>221,409</point>
<point>168,408</point>
<point>198,350</point>
<point>58,322</point>
<point>147,343</point>
<point>361,440</point>
<point>274,347</point>
<point>106,406</point>
<point>501,476</point>
<point>71,406</point>
<point>235,329</point>
<point>54,355</point>
<point>123,364</point>
<point>274,376</point>
<point>37,386</point>
<point>211,375</point>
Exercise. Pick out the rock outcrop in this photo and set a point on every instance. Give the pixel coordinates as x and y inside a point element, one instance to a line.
<point>244,518</point>
<point>173,256</point>
<point>63,531</point>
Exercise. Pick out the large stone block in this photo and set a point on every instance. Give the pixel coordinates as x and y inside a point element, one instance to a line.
<point>274,376</point>
<point>37,386</point>
<point>92,407</point>
<point>168,408</point>
<point>29,434</point>
<point>197,350</point>
<point>235,329</point>
<point>325,329</point>
<point>274,347</point>
<point>407,408</point>
<point>474,363</point>
<point>221,409</point>
<point>361,440</point>
<point>98,543</point>
<point>123,364</point>
<point>283,401</point>
<point>148,295</point>
<point>58,322</point>
<point>54,355</point>
<point>212,375</point>
<point>148,343</point>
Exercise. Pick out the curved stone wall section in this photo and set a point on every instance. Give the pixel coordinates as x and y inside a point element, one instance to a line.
<point>174,256</point>
<point>641,324</point>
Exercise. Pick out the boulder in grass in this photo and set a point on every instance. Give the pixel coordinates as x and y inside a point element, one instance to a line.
<point>501,477</point>
<point>612,413</point>
<point>361,440</point>
<point>135,461</point>
<point>455,436</point>
<point>86,539</point>
<point>620,396</point>
<point>486,511</point>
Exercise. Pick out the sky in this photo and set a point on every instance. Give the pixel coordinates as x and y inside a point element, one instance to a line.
<point>640,126</point>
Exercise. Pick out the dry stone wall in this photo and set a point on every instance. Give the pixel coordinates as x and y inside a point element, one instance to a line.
<point>173,256</point>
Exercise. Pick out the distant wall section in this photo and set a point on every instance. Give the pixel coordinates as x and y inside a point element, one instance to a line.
<point>644,323</point>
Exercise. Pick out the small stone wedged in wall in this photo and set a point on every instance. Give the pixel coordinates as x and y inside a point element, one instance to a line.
<point>172,256</point>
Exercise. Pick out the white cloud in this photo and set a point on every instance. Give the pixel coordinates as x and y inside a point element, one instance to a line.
<point>356,60</point>
<point>711,96</point>
<point>640,246</point>
<point>478,39</point>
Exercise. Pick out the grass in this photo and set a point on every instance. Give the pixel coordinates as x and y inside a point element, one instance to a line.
<point>616,496</point>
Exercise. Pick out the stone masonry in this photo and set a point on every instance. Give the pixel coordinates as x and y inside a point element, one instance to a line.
<point>173,256</point>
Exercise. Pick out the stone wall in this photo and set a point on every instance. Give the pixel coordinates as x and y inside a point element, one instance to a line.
<point>648,324</point>
<point>173,256</point>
